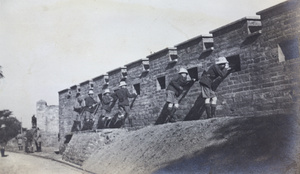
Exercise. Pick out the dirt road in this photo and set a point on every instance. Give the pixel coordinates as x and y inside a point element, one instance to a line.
<point>16,163</point>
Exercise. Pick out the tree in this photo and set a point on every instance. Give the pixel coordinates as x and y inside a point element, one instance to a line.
<point>5,113</point>
<point>12,125</point>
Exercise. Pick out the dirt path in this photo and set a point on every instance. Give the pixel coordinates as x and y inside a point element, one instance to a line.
<point>16,163</point>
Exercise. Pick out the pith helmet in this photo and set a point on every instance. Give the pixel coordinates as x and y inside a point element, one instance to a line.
<point>91,92</point>
<point>183,70</point>
<point>106,91</point>
<point>122,83</point>
<point>221,60</point>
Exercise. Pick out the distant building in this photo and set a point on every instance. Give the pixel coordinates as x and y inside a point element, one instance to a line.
<point>48,122</point>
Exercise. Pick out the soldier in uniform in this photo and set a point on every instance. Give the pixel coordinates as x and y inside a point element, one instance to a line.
<point>78,108</point>
<point>174,89</point>
<point>106,101</point>
<point>90,106</point>
<point>218,70</point>
<point>122,95</point>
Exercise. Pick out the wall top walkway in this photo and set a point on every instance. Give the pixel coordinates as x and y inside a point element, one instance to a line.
<point>85,82</point>
<point>137,61</point>
<point>99,77</point>
<point>288,4</point>
<point>156,54</point>
<point>194,39</point>
<point>231,26</point>
<point>116,70</point>
<point>63,91</point>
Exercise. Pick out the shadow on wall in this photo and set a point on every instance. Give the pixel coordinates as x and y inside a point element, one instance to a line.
<point>250,145</point>
<point>163,116</point>
<point>198,108</point>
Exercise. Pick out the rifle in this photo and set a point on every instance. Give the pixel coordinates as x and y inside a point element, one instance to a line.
<point>131,105</point>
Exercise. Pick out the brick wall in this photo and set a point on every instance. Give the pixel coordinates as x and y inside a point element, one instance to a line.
<point>262,85</point>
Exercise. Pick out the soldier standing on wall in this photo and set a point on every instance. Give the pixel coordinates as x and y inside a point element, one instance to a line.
<point>106,109</point>
<point>174,90</point>
<point>219,69</point>
<point>122,95</point>
<point>90,106</point>
<point>33,121</point>
<point>78,108</point>
<point>105,102</point>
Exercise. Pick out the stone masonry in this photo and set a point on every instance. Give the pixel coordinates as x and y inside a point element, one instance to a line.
<point>48,122</point>
<point>264,50</point>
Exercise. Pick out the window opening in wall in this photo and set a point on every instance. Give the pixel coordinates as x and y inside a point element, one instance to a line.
<point>106,78</point>
<point>91,84</point>
<point>69,94</point>
<point>146,65</point>
<point>124,73</point>
<point>253,29</point>
<point>161,83</point>
<point>193,72</point>
<point>288,49</point>
<point>123,79</point>
<point>173,55</point>
<point>137,88</point>
<point>208,44</point>
<point>234,62</point>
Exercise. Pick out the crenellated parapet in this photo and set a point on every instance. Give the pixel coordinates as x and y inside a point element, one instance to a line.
<point>263,50</point>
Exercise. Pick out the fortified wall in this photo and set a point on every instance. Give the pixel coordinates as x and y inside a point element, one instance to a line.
<point>264,50</point>
<point>48,122</point>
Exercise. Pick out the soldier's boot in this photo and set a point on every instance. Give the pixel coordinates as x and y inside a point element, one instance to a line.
<point>122,122</point>
<point>213,110</point>
<point>208,110</point>
<point>104,122</point>
<point>169,114</point>
<point>130,122</point>
<point>172,115</point>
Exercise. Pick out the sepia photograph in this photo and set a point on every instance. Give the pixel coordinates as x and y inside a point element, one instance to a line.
<point>150,87</point>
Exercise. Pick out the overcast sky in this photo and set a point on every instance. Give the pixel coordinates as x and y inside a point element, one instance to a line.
<point>48,46</point>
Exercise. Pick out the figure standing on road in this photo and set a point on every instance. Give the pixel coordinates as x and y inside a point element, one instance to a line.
<point>218,70</point>
<point>78,108</point>
<point>3,140</point>
<point>33,121</point>
<point>174,89</point>
<point>38,140</point>
<point>28,141</point>
<point>20,140</point>
<point>122,94</point>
